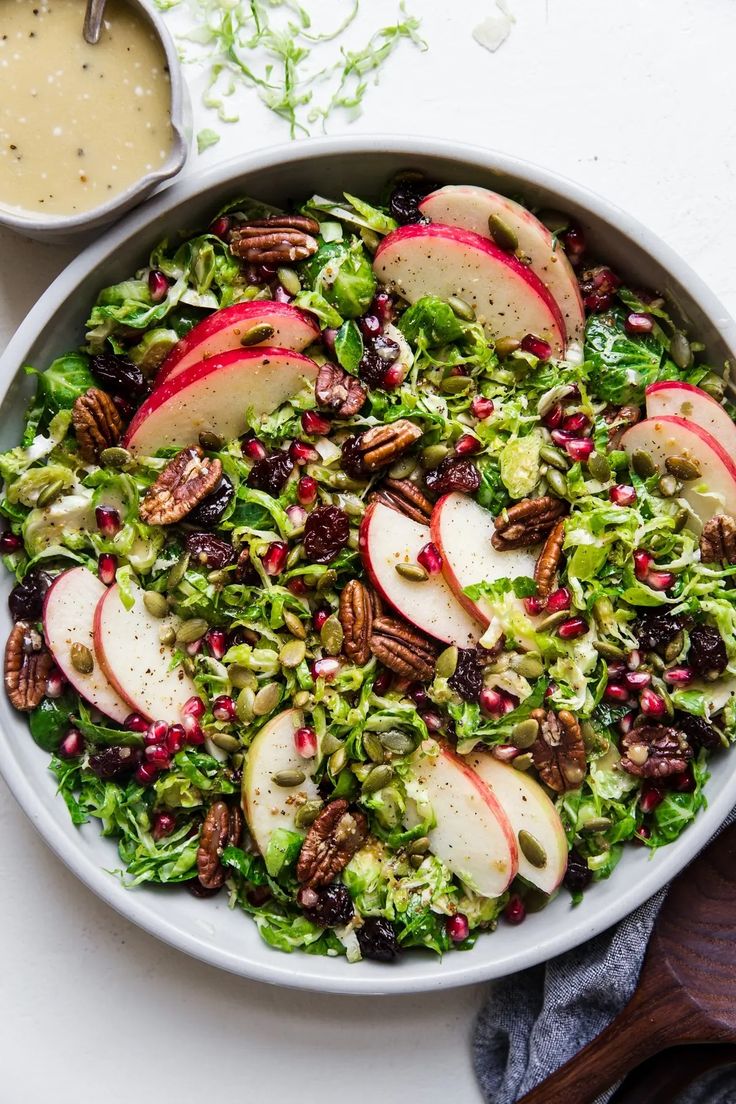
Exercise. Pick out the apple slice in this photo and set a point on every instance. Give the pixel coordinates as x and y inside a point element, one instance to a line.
<point>68,619</point>
<point>472,834</point>
<point>388,538</point>
<point>717,694</point>
<point>462,531</point>
<point>714,491</point>
<point>223,330</point>
<point>529,810</point>
<point>267,806</point>
<point>684,400</point>
<point>135,661</point>
<point>470,208</point>
<point>215,395</point>
<point>509,299</point>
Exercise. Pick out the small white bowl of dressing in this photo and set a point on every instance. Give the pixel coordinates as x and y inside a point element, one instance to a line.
<point>86,132</point>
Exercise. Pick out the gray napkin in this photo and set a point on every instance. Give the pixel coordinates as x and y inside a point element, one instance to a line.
<point>534,1021</point>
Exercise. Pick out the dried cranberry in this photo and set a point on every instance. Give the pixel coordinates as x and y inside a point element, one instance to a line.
<point>699,733</point>
<point>467,681</point>
<point>707,655</point>
<point>326,533</point>
<point>333,907</point>
<point>404,201</point>
<point>270,474</point>
<point>195,887</point>
<point>655,629</point>
<point>26,599</point>
<point>119,374</point>
<point>114,762</point>
<point>209,551</point>
<point>207,514</point>
<point>453,474</point>
<point>379,354</point>
<point>578,875</point>
<point>351,459</point>
<point>377,939</point>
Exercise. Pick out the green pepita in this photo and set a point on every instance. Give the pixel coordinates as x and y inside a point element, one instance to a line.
<point>643,464</point>
<point>241,678</point>
<point>292,654</point>
<point>419,846</point>
<point>288,778</point>
<point>338,760</point>
<point>557,482</point>
<point>82,659</point>
<point>553,620</point>
<point>674,647</point>
<point>307,813</point>
<point>373,747</point>
<point>530,666</point>
<point>523,762</point>
<point>396,742</point>
<point>503,235</point>
<point>155,603</point>
<point>294,625</point>
<point>505,346</point>
<point>680,350</point>
<point>167,635</point>
<point>596,824</point>
<point>668,486</point>
<point>681,519</point>
<point>115,457</point>
<point>603,611</point>
<point>217,578</point>
<point>525,733</point>
<point>326,581</point>
<point>177,572</point>
<point>455,385</point>
<point>330,744</point>
<point>301,699</point>
<point>331,635</point>
<point>682,468</point>
<point>266,700</point>
<point>607,650</point>
<point>461,308</point>
<point>433,455</point>
<point>554,457</point>
<point>297,552</point>
<point>260,332</point>
<point>415,573</point>
<point>447,662</point>
<point>415,861</point>
<point>50,493</point>
<point>403,468</point>
<point>377,778</point>
<point>225,741</point>
<point>289,280</point>
<point>599,467</point>
<point>244,705</point>
<point>211,442</point>
<point>532,849</point>
<point>191,630</point>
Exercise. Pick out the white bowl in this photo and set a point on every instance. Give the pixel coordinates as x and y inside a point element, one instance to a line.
<point>208,929</point>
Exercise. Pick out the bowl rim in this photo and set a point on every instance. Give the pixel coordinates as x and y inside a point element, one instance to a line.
<point>455,970</point>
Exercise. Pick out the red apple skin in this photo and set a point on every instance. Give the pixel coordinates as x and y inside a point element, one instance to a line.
<point>101,654</point>
<point>721,420</point>
<point>241,315</point>
<point>707,438</point>
<point>468,240</point>
<point>454,583</point>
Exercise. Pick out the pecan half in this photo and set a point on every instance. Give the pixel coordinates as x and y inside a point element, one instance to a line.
<point>378,447</point>
<point>337,390</point>
<point>183,483</point>
<point>620,419</point>
<point>655,751</point>
<point>330,844</point>
<point>403,649</point>
<point>527,522</point>
<point>28,664</point>
<point>275,239</point>
<point>405,497</point>
<point>356,618</point>
<point>559,751</point>
<point>548,560</point>
<point>222,827</point>
<point>96,422</point>
<point>718,540</point>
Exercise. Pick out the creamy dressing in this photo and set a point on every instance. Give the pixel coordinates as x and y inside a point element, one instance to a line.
<point>78,123</point>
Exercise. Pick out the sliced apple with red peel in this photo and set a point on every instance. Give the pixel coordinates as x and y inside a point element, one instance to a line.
<point>508,298</point>
<point>462,531</point>
<point>214,395</point>
<point>68,619</point>
<point>138,665</point>
<point>388,538</point>
<point>470,207</point>
<point>223,331</point>
<point>684,400</point>
<point>714,491</point>
<point>267,806</point>
<point>529,810</point>
<point>472,834</point>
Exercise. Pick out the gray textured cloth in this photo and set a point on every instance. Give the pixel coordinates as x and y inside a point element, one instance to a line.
<point>534,1021</point>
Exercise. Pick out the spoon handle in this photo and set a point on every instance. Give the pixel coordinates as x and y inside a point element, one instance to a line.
<point>93,21</point>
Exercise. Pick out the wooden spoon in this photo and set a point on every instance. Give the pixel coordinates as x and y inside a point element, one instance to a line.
<point>685,992</point>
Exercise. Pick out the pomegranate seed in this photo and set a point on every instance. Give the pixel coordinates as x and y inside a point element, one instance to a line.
<point>622,495</point>
<point>652,703</point>
<point>9,543</point>
<point>297,586</point>
<point>319,617</point>
<point>135,722</point>
<point>660,580</point>
<point>616,668</point>
<point>193,729</point>
<point>107,565</point>
<point>578,423</point>
<point>253,449</point>
<point>216,641</point>
<point>491,701</point>
<point>561,437</point>
<point>432,720</point>
<point>644,832</point>
<point>505,753</point>
<point>155,733</point>
<point>302,453</point>
<point>72,744</point>
<point>195,647</point>
<point>481,407</point>
<point>430,558</point>
<point>275,558</point>
<point>509,703</point>
<point>281,295</point>
<point>684,782</point>
<point>633,659</point>
<point>158,285</point>
<point>325,668</point>
<point>560,599</point>
<point>306,490</point>
<point>223,708</point>
<point>572,628</point>
<point>328,339</point>
<point>382,683</point>
<point>55,684</point>
<point>176,737</point>
<point>108,521</point>
<point>551,689</point>
<point>457,927</point>
<point>146,773</point>
<point>579,448</point>
<point>553,418</point>
<point>533,606</point>
<point>221,227</point>
<point>383,306</point>
<point>467,445</point>
<point>615,692</point>
<point>637,680</point>
<point>394,376</point>
<point>542,350</point>
<point>193,707</point>
<point>305,742</point>
<point>315,424</point>
<point>651,797</point>
<point>157,753</point>
<point>639,323</point>
<point>678,676</point>
<point>297,516</point>
<point>598,287</point>
<point>642,564</point>
<point>573,242</point>
<point>163,825</point>
<point>369,325</point>
<point>515,911</point>
<point>627,723</point>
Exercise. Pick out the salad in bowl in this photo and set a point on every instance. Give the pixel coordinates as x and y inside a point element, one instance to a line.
<point>373,567</point>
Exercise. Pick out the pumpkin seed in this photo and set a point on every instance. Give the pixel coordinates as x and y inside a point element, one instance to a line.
<point>301,699</point>
<point>155,603</point>
<point>267,698</point>
<point>656,662</point>
<point>225,741</point>
<point>177,572</point>
<point>50,493</point>
<point>292,654</point>
<point>82,659</point>
<point>189,665</point>
<point>191,630</point>
<point>603,611</point>
<point>532,849</point>
<point>294,625</point>
<point>373,747</point>
<point>455,385</point>
<point>308,813</point>
<point>530,666</point>
<point>415,861</point>
<point>338,760</point>
<point>668,486</point>
<point>555,457</point>
<point>680,350</point>
<point>211,442</point>
<point>396,742</point>
<point>403,468</point>
<point>681,519</point>
<point>683,468</point>
<point>553,620</point>
<point>237,760</point>
<point>447,662</point>
<point>608,650</point>
<point>331,635</point>
<point>115,457</point>
<point>505,346</point>
<point>377,778</point>
<point>433,455</point>
<point>523,762</point>
<point>674,647</point>
<point>461,308</point>
<point>415,573</point>
<point>557,222</point>
<point>503,235</point>
<point>288,778</point>
<point>643,464</point>
<point>297,552</point>
<point>241,678</point>
<point>596,824</point>
<point>167,635</point>
<point>260,332</point>
<point>244,704</point>
<point>419,846</point>
<point>217,578</point>
<point>599,467</point>
<point>326,581</point>
<point>525,733</point>
<point>330,744</point>
<point>289,280</point>
<point>557,482</point>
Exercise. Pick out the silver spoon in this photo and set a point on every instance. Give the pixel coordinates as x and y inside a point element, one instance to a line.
<point>93,21</point>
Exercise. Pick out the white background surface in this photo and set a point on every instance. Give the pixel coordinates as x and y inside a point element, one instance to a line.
<point>635,100</point>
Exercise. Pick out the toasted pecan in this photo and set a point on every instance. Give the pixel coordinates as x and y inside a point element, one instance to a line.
<point>718,540</point>
<point>183,483</point>
<point>97,423</point>
<point>559,750</point>
<point>527,522</point>
<point>403,649</point>
<point>277,239</point>
<point>332,840</point>
<point>335,389</point>
<point>405,497</point>
<point>548,560</point>
<point>356,618</point>
<point>28,664</point>
<point>222,827</point>
<point>655,751</point>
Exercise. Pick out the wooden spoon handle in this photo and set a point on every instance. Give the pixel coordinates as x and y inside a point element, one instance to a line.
<point>666,1075</point>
